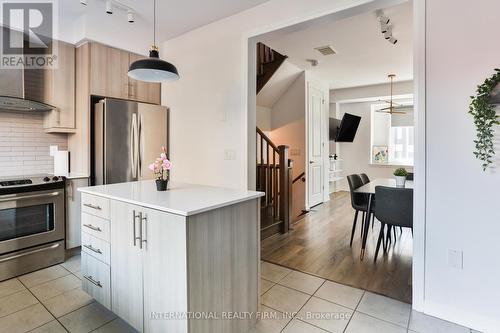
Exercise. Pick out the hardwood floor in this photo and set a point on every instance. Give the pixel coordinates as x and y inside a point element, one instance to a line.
<point>319,244</point>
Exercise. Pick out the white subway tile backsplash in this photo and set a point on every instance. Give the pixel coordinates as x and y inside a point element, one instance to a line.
<point>24,146</point>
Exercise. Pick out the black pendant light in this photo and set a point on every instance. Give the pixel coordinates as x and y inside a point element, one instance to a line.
<point>153,69</point>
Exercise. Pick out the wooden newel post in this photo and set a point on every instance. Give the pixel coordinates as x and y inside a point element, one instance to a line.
<point>285,174</point>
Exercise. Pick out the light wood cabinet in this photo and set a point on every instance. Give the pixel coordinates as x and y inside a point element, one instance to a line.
<point>73,212</point>
<point>59,91</point>
<point>143,91</point>
<point>102,71</point>
<point>143,255</point>
<point>164,253</point>
<point>163,263</point>
<point>108,71</point>
<point>96,279</point>
<point>109,76</point>
<point>126,275</point>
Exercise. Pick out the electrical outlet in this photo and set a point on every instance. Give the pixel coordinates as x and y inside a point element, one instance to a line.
<point>229,154</point>
<point>455,259</point>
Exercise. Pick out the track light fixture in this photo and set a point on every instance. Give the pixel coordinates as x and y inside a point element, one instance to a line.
<point>386,29</point>
<point>130,16</point>
<point>109,7</point>
<point>384,19</point>
<point>388,32</point>
<point>383,28</point>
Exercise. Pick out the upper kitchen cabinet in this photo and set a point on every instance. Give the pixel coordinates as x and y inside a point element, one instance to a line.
<point>143,91</point>
<point>109,78</point>
<point>108,71</point>
<point>59,91</point>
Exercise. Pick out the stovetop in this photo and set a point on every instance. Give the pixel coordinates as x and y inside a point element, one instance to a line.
<point>20,184</point>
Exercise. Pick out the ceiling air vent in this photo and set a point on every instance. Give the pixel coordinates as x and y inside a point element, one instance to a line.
<point>326,50</point>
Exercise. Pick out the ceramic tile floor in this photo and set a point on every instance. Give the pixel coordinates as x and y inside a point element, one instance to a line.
<point>51,301</point>
<point>294,302</point>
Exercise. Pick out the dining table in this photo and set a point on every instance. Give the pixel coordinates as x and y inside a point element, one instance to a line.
<point>369,190</point>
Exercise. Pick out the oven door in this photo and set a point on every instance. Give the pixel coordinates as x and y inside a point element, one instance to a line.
<point>30,219</point>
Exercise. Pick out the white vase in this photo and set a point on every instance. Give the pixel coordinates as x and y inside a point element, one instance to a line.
<point>400,181</point>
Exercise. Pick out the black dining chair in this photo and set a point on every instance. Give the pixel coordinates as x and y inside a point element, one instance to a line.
<point>394,209</point>
<point>359,202</point>
<point>364,178</point>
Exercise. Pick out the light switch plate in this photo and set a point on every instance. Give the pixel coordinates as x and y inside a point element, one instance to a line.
<point>455,259</point>
<point>229,154</point>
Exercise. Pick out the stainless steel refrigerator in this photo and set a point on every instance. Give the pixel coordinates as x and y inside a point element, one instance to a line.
<point>127,137</point>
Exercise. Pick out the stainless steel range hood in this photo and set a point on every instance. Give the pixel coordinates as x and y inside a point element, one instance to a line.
<point>23,90</point>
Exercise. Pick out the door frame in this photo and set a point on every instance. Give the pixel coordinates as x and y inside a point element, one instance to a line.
<point>248,43</point>
<point>324,139</point>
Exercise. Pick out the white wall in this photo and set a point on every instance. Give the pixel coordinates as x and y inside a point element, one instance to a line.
<point>377,90</point>
<point>263,118</point>
<point>462,200</point>
<point>209,111</point>
<point>356,155</point>
<point>288,126</point>
<point>208,104</point>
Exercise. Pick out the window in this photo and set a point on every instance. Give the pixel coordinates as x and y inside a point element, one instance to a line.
<point>392,137</point>
<point>401,146</point>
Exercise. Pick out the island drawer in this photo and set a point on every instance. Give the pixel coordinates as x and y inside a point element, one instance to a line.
<point>96,279</point>
<point>95,226</point>
<point>95,205</point>
<point>95,247</point>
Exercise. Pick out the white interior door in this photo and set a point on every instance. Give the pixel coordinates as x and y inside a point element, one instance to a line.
<point>315,146</point>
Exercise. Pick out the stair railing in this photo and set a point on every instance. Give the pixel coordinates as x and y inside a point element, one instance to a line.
<point>274,177</point>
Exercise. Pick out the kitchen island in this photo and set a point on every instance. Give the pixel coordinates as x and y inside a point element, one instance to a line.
<point>183,260</point>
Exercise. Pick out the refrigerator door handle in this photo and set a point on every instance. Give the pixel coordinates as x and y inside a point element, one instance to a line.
<point>133,145</point>
<point>140,146</point>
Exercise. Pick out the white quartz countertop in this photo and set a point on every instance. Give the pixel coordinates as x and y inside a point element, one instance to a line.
<point>180,199</point>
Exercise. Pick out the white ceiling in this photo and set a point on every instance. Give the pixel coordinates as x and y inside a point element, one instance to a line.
<point>364,56</point>
<point>174,17</point>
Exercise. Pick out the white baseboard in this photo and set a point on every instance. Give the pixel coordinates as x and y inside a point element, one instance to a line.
<point>464,318</point>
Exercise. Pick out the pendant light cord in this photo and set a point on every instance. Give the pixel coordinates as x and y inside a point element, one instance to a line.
<point>154,23</point>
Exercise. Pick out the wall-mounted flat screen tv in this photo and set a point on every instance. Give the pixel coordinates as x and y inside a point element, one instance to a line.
<point>344,130</point>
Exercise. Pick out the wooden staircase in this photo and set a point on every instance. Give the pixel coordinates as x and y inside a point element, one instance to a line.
<point>268,62</point>
<point>274,177</point>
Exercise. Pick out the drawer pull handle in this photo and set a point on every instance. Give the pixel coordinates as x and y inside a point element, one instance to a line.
<point>90,226</point>
<point>91,280</point>
<point>92,249</point>
<point>92,206</point>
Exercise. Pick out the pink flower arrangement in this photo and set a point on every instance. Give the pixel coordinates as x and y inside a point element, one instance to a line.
<point>161,166</point>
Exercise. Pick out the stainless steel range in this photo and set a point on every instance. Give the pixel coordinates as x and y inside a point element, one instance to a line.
<point>31,224</point>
